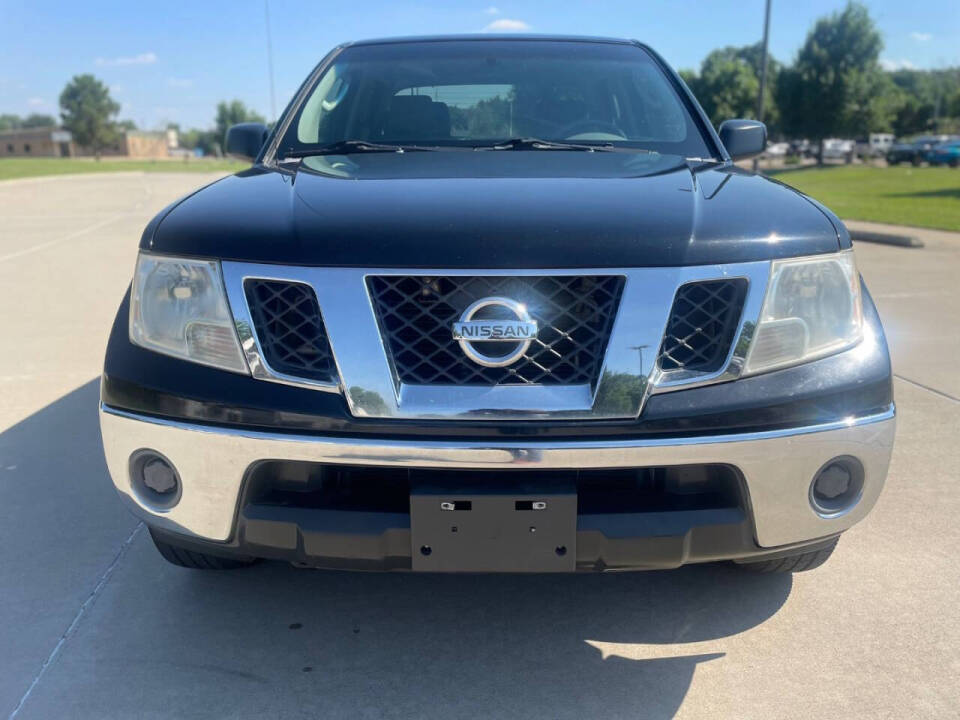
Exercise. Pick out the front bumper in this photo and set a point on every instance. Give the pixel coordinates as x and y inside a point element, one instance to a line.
<point>776,468</point>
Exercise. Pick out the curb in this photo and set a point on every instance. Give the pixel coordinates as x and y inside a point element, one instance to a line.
<point>871,236</point>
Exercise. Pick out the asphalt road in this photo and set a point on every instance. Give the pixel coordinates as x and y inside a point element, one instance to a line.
<point>94,624</point>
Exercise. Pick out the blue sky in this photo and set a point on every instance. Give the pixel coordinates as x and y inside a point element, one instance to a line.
<point>173,60</point>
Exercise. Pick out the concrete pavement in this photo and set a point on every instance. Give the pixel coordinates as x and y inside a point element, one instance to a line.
<point>93,623</point>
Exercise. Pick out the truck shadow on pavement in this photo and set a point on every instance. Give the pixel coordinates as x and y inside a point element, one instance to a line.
<point>275,641</point>
<point>476,646</point>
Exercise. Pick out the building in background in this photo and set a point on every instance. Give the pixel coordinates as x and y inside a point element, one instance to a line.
<point>55,142</point>
<point>139,144</point>
<point>37,142</point>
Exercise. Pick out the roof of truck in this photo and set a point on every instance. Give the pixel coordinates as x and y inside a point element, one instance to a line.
<point>492,36</point>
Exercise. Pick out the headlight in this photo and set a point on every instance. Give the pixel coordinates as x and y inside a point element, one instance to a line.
<point>178,307</point>
<point>812,309</point>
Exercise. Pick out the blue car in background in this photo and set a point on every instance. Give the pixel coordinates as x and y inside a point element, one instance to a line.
<point>947,153</point>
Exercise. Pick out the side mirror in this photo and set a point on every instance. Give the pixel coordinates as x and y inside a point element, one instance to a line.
<point>245,140</point>
<point>743,138</point>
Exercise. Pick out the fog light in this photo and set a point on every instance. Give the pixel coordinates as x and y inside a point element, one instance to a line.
<point>159,477</point>
<point>832,482</point>
<point>154,480</point>
<point>837,486</point>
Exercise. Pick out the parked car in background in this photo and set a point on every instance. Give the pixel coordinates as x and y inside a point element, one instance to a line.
<point>838,149</point>
<point>947,153</point>
<point>874,145</point>
<point>778,149</point>
<point>802,148</point>
<point>914,151</point>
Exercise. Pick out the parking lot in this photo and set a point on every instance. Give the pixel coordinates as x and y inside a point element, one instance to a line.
<point>93,623</point>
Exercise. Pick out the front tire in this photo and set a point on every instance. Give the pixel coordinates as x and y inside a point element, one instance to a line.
<point>182,557</point>
<point>792,563</point>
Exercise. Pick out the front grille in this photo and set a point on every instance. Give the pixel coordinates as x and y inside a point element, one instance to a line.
<point>292,336</point>
<point>702,324</point>
<point>574,314</point>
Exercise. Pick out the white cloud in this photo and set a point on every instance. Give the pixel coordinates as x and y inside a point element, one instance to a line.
<point>921,36</point>
<point>902,64</point>
<point>506,25</point>
<point>179,82</point>
<point>147,58</point>
<point>492,10</point>
<point>36,102</point>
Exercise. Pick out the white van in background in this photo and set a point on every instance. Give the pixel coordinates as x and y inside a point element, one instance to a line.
<point>838,149</point>
<point>876,145</point>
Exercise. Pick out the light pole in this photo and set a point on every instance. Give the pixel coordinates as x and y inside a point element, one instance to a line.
<point>273,102</point>
<point>640,349</point>
<point>763,68</point>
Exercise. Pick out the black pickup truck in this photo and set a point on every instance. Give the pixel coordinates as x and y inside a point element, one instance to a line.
<point>497,304</point>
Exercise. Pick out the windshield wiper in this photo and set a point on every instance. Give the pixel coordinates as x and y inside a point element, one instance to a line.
<point>529,143</point>
<point>343,147</point>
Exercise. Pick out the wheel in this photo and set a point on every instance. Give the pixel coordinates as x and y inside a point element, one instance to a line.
<point>792,563</point>
<point>197,560</point>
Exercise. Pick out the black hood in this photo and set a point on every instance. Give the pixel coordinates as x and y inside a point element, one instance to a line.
<point>495,209</point>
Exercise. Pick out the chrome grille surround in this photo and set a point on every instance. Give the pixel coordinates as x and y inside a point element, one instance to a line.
<point>574,313</point>
<point>630,370</point>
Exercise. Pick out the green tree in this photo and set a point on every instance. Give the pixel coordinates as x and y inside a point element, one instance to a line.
<point>88,111</point>
<point>913,116</point>
<point>836,86</point>
<point>953,105</point>
<point>690,78</point>
<point>126,125</point>
<point>231,113</point>
<point>37,120</point>
<point>205,140</point>
<point>10,122</point>
<point>728,84</point>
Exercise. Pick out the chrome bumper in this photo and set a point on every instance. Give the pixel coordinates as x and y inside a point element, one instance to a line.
<point>777,466</point>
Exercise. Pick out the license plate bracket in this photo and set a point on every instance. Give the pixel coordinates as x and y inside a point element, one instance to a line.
<point>492,531</point>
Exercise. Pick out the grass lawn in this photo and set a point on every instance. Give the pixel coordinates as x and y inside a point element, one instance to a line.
<point>32,167</point>
<point>901,195</point>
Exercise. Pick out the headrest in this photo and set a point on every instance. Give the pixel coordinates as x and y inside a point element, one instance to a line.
<point>416,117</point>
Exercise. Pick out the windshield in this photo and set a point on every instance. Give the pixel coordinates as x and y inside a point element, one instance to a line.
<point>478,93</point>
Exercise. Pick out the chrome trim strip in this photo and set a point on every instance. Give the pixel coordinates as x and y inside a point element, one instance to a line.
<point>629,372</point>
<point>470,446</point>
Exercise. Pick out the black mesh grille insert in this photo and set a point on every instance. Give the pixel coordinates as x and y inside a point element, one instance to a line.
<point>574,315</point>
<point>702,324</point>
<point>289,327</point>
